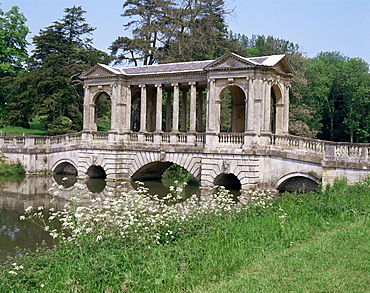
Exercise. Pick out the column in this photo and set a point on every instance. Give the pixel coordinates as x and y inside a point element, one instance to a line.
<point>249,106</point>
<point>184,110</point>
<point>193,108</point>
<point>127,90</point>
<point>168,111</point>
<point>143,108</point>
<point>200,111</point>
<point>286,110</point>
<point>158,111</point>
<point>175,115</point>
<point>115,106</point>
<point>86,119</point>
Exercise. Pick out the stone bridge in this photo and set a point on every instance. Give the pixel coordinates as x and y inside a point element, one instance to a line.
<point>224,120</point>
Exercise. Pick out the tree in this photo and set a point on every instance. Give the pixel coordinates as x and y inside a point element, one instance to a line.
<point>167,31</point>
<point>52,88</point>
<point>339,89</point>
<point>13,48</point>
<point>13,43</point>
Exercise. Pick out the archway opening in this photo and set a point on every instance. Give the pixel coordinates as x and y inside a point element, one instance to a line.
<point>274,116</point>
<point>229,181</point>
<point>65,168</point>
<point>158,177</point>
<point>232,115</point>
<point>298,184</point>
<point>103,112</point>
<point>135,113</point>
<point>96,172</point>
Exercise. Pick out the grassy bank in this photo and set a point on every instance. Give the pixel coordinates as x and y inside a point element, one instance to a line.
<point>315,242</point>
<point>36,129</point>
<point>10,168</point>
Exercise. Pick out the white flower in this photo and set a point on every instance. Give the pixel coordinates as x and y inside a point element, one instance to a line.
<point>13,273</point>
<point>22,218</point>
<point>40,208</point>
<point>30,208</point>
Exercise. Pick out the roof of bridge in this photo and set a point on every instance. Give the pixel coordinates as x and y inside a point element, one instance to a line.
<point>228,61</point>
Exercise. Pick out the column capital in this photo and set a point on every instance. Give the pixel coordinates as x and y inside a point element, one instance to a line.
<point>142,85</point>
<point>175,84</point>
<point>158,85</point>
<point>192,83</point>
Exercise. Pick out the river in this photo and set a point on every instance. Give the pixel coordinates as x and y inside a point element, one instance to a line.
<point>19,192</point>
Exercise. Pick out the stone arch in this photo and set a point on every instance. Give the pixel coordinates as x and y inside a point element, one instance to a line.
<point>232,111</point>
<point>67,167</point>
<point>103,111</point>
<point>297,181</point>
<point>162,161</point>
<point>228,180</point>
<point>276,109</point>
<point>96,171</point>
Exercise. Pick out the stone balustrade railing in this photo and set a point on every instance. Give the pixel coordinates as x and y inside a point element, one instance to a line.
<point>327,149</point>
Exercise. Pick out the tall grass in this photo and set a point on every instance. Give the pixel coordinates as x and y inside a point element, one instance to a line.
<point>216,247</point>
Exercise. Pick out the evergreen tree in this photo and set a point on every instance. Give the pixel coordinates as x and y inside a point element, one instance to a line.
<point>52,88</point>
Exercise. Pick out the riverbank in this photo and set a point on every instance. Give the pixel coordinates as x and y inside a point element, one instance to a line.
<point>8,167</point>
<point>302,243</point>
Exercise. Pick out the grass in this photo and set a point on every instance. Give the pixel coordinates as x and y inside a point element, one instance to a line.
<point>8,168</point>
<point>36,129</point>
<point>317,242</point>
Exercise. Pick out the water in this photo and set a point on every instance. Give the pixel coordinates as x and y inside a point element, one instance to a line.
<point>19,192</point>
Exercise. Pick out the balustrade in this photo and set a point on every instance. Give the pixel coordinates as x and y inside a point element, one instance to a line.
<point>230,138</point>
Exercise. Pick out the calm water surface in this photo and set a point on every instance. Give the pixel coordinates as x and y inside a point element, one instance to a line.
<point>19,192</point>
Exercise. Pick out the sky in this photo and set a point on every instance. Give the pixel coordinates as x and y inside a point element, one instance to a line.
<point>315,25</point>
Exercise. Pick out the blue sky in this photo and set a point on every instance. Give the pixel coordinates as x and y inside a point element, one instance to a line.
<point>316,25</point>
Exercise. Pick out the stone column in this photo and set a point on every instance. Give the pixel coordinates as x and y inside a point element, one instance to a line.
<point>115,106</point>
<point>258,105</point>
<point>184,110</point>
<point>213,106</point>
<point>168,111</point>
<point>143,108</point>
<point>87,123</point>
<point>200,110</point>
<point>249,107</point>
<point>286,110</point>
<point>175,115</point>
<point>193,107</point>
<point>158,111</point>
<point>127,90</point>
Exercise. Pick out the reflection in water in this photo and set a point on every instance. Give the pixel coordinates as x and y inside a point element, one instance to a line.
<point>19,192</point>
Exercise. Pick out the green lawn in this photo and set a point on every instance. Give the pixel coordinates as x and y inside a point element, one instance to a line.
<point>317,242</point>
<point>36,129</point>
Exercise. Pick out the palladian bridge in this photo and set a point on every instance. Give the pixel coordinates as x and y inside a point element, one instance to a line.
<point>224,120</point>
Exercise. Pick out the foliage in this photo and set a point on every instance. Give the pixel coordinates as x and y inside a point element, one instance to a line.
<point>172,31</point>
<point>179,174</point>
<point>52,87</point>
<point>10,168</point>
<point>339,87</point>
<point>13,48</point>
<point>204,249</point>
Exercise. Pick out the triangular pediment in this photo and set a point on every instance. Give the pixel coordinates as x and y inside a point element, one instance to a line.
<point>229,61</point>
<point>99,71</point>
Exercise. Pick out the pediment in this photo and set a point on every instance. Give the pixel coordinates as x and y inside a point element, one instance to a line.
<point>100,71</point>
<point>229,61</point>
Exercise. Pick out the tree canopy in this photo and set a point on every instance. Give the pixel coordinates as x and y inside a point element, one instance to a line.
<point>52,88</point>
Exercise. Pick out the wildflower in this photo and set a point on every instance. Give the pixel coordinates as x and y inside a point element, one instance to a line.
<point>22,218</point>
<point>40,208</point>
<point>30,208</point>
<point>13,273</point>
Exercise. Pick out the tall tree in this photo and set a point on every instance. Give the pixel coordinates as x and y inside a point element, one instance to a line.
<point>172,31</point>
<point>52,88</point>
<point>13,48</point>
<point>339,89</point>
